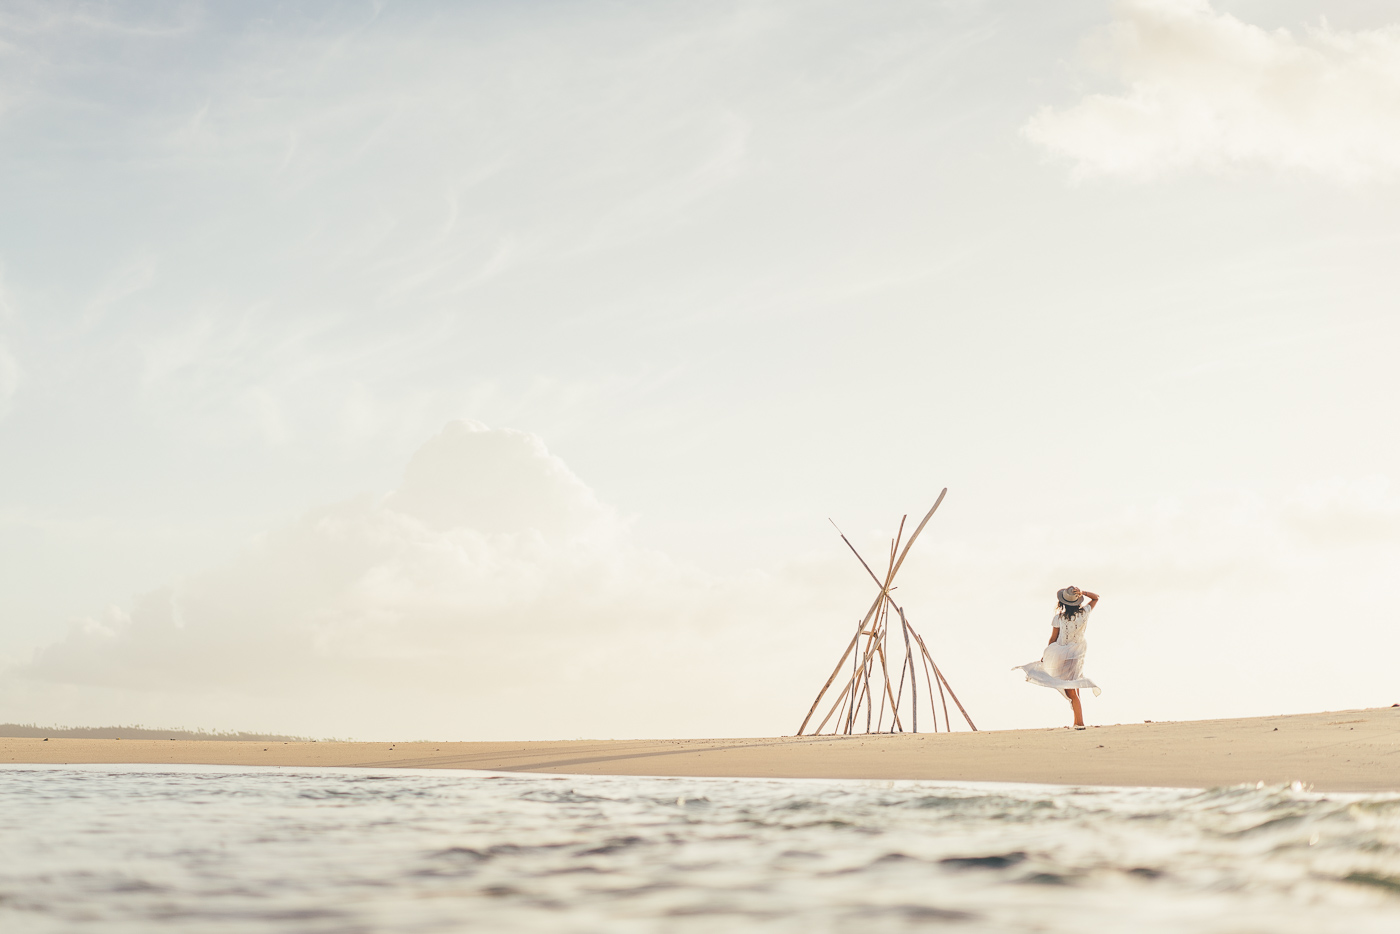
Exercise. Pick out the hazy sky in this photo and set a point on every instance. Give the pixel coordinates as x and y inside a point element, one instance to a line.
<point>478,370</point>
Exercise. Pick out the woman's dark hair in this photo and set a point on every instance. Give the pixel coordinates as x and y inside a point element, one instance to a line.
<point>1070,612</point>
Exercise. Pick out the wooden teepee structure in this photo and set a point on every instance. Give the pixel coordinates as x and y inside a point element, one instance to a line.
<point>872,672</point>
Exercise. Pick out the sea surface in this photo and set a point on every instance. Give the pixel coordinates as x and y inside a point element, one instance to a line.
<point>152,848</point>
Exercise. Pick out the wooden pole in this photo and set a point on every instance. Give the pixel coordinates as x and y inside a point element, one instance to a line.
<point>854,552</point>
<point>854,640</point>
<point>948,686</point>
<point>850,686</point>
<point>914,680</point>
<point>894,545</point>
<point>884,637</point>
<point>909,544</point>
<point>944,679</point>
<point>853,694</point>
<point>845,718</point>
<point>928,660</point>
<point>884,592</point>
<point>899,694</point>
<point>928,679</point>
<point>844,691</point>
<point>947,723</point>
<point>880,723</point>
<point>879,600</point>
<point>943,699</point>
<point>862,677</point>
<point>865,664</point>
<point>890,692</point>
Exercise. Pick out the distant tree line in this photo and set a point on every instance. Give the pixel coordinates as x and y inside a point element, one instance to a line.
<point>27,730</point>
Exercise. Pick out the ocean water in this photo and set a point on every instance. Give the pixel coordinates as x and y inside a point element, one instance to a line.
<point>151,849</point>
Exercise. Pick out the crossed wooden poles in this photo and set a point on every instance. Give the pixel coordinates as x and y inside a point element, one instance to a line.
<point>865,681</point>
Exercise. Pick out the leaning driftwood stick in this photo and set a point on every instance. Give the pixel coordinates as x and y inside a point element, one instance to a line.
<point>877,634</point>
<point>894,545</point>
<point>854,640</point>
<point>854,552</point>
<point>880,723</point>
<point>851,687</point>
<point>899,694</point>
<point>883,624</point>
<point>844,716</point>
<point>877,630</point>
<point>942,678</point>
<point>870,700</point>
<point>842,697</point>
<point>848,702</point>
<point>890,692</point>
<point>847,724</point>
<point>851,714</point>
<point>838,704</point>
<point>875,640</point>
<point>859,685</point>
<point>860,694</point>
<point>947,722</point>
<point>884,634</point>
<point>862,691</point>
<point>880,648</point>
<point>879,600</point>
<point>948,686</point>
<point>914,679</point>
<point>928,679</point>
<point>850,718</point>
<point>928,659</point>
<point>909,544</point>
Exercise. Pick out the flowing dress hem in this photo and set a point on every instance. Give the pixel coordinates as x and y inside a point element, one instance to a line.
<point>1036,674</point>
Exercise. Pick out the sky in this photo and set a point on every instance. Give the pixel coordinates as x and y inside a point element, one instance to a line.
<point>491,370</point>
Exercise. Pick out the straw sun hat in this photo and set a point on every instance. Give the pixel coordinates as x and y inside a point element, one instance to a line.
<point>1071,596</point>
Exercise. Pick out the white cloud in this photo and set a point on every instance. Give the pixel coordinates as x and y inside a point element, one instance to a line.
<point>9,367</point>
<point>1205,90</point>
<point>9,379</point>
<point>491,595</point>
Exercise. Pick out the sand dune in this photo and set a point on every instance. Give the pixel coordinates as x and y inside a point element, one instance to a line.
<point>1352,750</point>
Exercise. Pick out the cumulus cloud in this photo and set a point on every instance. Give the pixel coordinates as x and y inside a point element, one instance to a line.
<point>1202,89</point>
<point>493,596</point>
<point>490,595</point>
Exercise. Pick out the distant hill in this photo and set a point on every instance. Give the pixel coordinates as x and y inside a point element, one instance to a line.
<point>24,730</point>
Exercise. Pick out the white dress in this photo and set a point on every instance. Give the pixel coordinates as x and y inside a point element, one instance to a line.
<point>1061,666</point>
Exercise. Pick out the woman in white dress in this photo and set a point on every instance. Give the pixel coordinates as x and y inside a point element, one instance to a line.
<point>1061,666</point>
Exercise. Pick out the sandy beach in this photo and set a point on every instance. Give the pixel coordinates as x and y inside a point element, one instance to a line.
<point>1350,750</point>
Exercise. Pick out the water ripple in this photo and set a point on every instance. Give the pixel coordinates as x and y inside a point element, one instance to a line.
<point>142,848</point>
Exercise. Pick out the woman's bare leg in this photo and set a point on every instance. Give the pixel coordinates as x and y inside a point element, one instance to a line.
<point>1073,695</point>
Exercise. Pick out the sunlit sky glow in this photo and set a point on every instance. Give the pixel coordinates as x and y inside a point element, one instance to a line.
<point>491,370</point>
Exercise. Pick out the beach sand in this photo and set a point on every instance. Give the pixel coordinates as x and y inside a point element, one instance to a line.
<point>1350,750</point>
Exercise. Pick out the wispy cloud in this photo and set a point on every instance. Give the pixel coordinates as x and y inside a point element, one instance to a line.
<point>9,379</point>
<point>1202,89</point>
